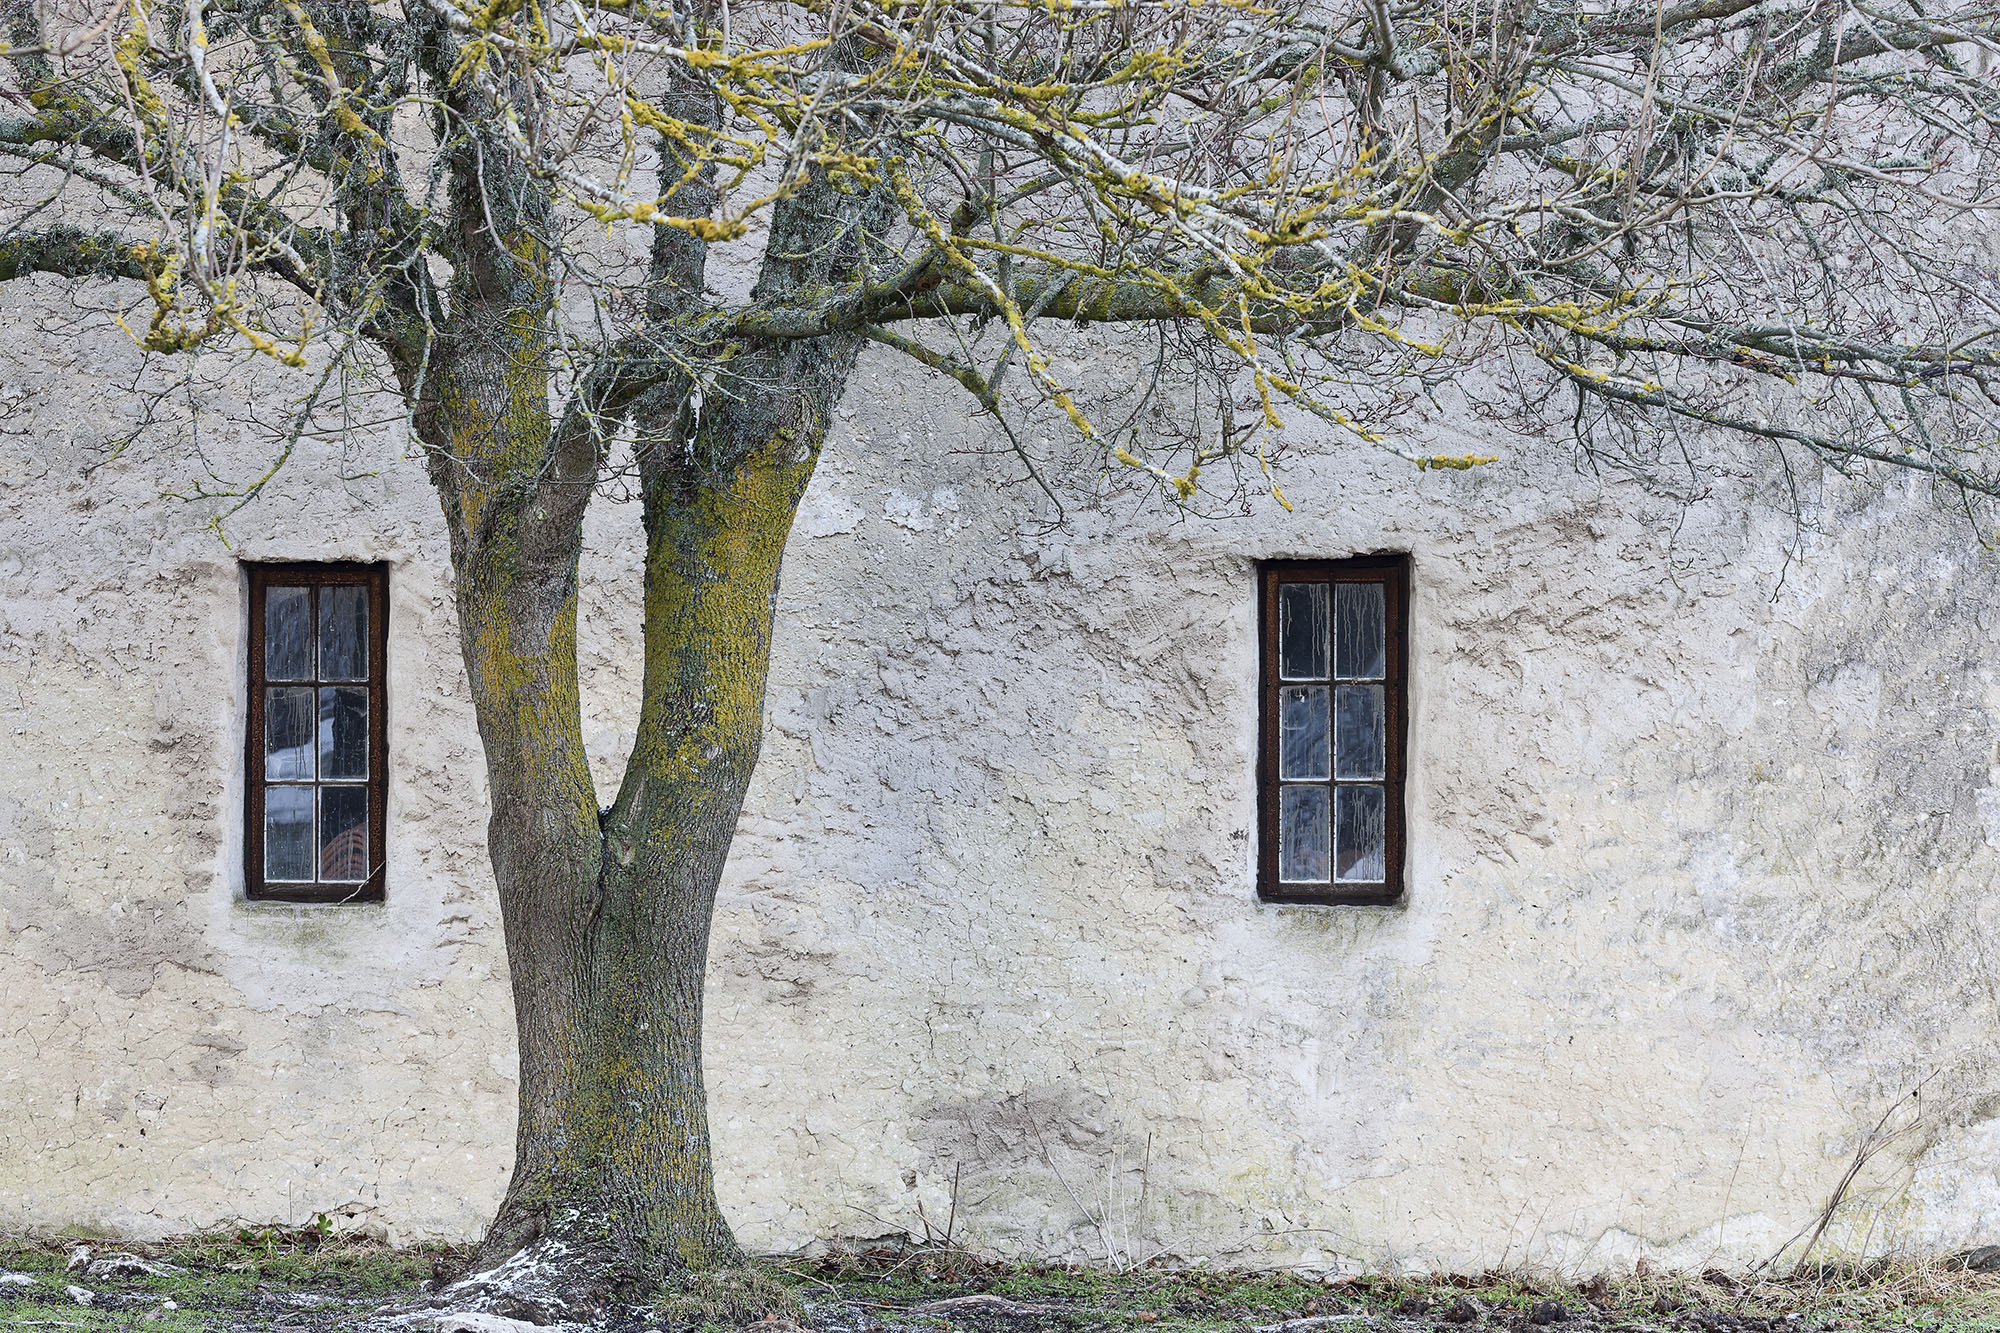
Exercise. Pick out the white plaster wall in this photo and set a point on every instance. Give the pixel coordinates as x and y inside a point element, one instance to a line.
<point>1701,841</point>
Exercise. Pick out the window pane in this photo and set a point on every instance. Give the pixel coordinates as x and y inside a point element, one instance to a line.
<point>343,734</point>
<point>1362,811</point>
<point>1361,631</point>
<point>343,633</point>
<point>1302,631</point>
<point>288,634</point>
<point>1360,749</point>
<point>1304,737</point>
<point>288,833</point>
<point>1302,835</point>
<point>288,734</point>
<point>343,833</point>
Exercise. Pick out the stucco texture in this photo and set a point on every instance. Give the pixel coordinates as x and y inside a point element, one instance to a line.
<point>1702,826</point>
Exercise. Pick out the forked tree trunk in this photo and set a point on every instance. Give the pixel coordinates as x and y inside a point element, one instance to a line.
<point>607,914</point>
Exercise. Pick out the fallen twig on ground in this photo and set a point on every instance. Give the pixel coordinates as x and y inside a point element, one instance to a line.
<point>981,1303</point>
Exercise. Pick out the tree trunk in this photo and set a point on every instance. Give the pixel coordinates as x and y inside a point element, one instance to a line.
<point>607,914</point>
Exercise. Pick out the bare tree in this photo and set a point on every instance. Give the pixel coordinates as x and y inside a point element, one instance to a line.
<point>1766,215</point>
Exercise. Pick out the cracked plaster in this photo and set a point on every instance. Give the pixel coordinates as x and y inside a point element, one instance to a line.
<point>1701,813</point>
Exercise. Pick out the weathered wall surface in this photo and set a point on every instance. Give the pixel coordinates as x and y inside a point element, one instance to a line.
<point>1701,833</point>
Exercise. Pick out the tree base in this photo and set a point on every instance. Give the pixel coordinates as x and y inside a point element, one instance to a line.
<point>552,1284</point>
<point>547,1283</point>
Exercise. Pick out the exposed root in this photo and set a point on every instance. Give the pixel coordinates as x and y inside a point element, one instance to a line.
<point>561,1287</point>
<point>546,1284</point>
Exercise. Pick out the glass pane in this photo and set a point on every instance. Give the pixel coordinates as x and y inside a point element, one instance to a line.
<point>1363,648</point>
<point>1302,631</point>
<point>1362,830</point>
<point>1360,749</point>
<point>343,633</point>
<point>1302,835</point>
<point>343,734</point>
<point>288,733</point>
<point>1304,738</point>
<point>343,833</point>
<point>288,833</point>
<point>288,634</point>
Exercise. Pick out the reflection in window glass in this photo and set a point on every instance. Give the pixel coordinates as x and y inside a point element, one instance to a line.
<point>288,734</point>
<point>1361,631</point>
<point>288,634</point>
<point>315,783</point>
<point>343,833</point>
<point>288,833</point>
<point>1303,841</point>
<point>1362,833</point>
<point>1304,737</point>
<point>1333,709</point>
<point>343,734</point>
<point>1360,748</point>
<point>343,632</point>
<point>1302,631</point>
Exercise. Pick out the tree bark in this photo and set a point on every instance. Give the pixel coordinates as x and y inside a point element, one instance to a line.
<point>607,913</point>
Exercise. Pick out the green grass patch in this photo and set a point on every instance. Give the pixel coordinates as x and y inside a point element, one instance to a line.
<point>307,1281</point>
<point>896,1285</point>
<point>732,1298</point>
<point>267,1278</point>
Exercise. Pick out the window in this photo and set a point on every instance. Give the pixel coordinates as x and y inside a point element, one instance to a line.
<point>316,770</point>
<point>1330,755</point>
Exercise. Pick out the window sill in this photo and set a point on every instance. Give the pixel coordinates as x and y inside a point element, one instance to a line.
<point>1297,896</point>
<point>360,895</point>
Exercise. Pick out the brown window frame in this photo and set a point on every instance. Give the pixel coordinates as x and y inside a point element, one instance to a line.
<point>1393,572</point>
<point>262,578</point>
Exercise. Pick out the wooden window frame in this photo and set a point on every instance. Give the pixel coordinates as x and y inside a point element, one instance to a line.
<point>262,578</point>
<point>1393,572</point>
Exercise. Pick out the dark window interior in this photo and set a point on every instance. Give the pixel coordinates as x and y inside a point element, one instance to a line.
<point>1334,640</point>
<point>316,762</point>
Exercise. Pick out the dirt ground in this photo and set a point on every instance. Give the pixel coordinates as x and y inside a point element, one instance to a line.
<point>274,1281</point>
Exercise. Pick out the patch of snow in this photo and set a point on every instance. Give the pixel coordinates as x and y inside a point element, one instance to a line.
<point>529,1281</point>
<point>122,1264</point>
<point>523,1265</point>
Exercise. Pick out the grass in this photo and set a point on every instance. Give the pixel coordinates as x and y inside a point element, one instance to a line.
<point>734,1297</point>
<point>896,1285</point>
<point>305,1281</point>
<point>276,1279</point>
